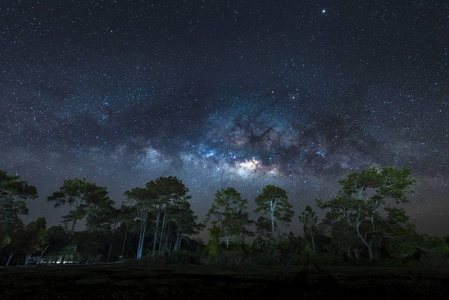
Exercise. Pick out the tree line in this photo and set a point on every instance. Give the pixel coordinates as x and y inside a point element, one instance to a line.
<point>363,223</point>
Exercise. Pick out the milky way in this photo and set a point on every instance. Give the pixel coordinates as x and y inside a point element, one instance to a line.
<point>228,93</point>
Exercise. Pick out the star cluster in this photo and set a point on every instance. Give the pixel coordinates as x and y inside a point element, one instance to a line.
<point>226,93</point>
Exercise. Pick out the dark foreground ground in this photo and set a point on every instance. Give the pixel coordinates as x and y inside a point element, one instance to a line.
<point>144,280</point>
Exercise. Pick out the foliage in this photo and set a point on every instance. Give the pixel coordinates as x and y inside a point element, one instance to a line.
<point>263,228</point>
<point>28,240</point>
<point>184,257</point>
<point>344,238</point>
<point>287,251</point>
<point>69,252</point>
<point>229,210</point>
<point>104,218</point>
<point>361,196</point>
<point>165,198</point>
<point>184,220</point>
<point>142,201</point>
<point>4,240</point>
<point>12,195</point>
<point>58,238</point>
<point>433,259</point>
<point>213,246</point>
<point>274,202</point>
<point>84,198</point>
<point>309,220</point>
<point>359,222</point>
<point>433,244</point>
<point>169,193</point>
<point>90,244</point>
<point>36,237</point>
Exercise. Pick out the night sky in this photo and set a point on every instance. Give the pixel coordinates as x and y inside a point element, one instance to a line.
<point>226,93</point>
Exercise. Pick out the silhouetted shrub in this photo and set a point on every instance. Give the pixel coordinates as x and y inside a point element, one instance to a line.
<point>433,259</point>
<point>183,257</point>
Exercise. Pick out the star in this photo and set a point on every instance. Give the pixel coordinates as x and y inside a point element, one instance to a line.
<point>168,94</point>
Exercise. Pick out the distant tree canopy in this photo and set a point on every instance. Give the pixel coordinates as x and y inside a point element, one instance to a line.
<point>229,210</point>
<point>363,221</point>
<point>309,219</point>
<point>362,194</point>
<point>273,201</point>
<point>13,192</point>
<point>166,199</point>
<point>84,197</point>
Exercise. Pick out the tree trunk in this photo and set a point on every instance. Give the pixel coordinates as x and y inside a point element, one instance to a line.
<point>112,241</point>
<point>356,254</point>
<point>272,210</point>
<point>161,236</point>
<point>124,242</point>
<point>347,252</point>
<point>27,259</point>
<point>109,252</point>
<point>143,238</point>
<point>155,234</point>
<point>167,238</point>
<point>73,226</point>
<point>9,259</point>
<point>45,249</point>
<point>166,245</point>
<point>313,242</point>
<point>365,242</point>
<point>177,242</point>
<point>139,247</point>
<point>143,227</point>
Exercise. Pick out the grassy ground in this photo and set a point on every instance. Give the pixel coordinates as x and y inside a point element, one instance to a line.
<point>147,280</point>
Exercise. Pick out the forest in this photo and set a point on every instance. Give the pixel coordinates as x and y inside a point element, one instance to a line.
<point>364,224</point>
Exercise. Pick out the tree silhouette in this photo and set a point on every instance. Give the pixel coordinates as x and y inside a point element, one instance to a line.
<point>13,192</point>
<point>274,202</point>
<point>82,196</point>
<point>229,210</point>
<point>361,196</point>
<point>309,220</point>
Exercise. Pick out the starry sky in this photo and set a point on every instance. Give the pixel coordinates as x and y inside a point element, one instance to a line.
<point>226,93</point>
